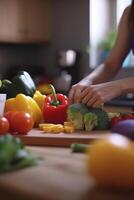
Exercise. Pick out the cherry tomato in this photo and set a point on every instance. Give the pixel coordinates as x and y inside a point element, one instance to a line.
<point>115,120</point>
<point>20,122</point>
<point>4,125</point>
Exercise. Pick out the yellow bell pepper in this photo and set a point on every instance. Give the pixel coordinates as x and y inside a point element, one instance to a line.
<point>25,103</point>
<point>39,98</point>
<point>44,88</point>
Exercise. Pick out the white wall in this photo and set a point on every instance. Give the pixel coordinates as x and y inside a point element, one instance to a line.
<point>102,20</point>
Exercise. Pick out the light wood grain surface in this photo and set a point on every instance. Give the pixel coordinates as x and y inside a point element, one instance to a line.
<point>39,138</point>
<point>62,175</point>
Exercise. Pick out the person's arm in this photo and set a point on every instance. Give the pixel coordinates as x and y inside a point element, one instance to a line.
<point>106,71</point>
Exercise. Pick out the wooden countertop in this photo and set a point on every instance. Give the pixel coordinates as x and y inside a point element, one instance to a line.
<point>62,175</point>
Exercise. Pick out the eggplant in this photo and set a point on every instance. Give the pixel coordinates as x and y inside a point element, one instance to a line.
<point>124,127</point>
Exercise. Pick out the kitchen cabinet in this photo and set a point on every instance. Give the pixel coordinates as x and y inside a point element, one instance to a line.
<point>24,21</point>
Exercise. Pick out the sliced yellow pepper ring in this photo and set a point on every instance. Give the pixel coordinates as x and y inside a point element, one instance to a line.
<point>68,129</point>
<point>42,125</point>
<point>47,129</point>
<point>57,128</point>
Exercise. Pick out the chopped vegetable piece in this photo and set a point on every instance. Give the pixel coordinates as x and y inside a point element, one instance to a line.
<point>58,128</point>
<point>68,129</point>
<point>79,148</point>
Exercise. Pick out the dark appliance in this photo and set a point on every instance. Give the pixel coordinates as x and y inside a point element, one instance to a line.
<point>69,61</point>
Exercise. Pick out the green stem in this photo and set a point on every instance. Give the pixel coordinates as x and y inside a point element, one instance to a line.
<point>56,102</point>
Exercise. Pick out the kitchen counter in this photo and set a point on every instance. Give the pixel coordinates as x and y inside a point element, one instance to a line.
<point>62,175</point>
<point>120,102</point>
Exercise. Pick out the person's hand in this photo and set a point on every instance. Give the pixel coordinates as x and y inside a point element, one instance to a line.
<point>75,92</point>
<point>96,95</point>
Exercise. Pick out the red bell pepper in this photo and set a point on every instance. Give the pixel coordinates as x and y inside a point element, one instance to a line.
<point>55,108</point>
<point>115,120</point>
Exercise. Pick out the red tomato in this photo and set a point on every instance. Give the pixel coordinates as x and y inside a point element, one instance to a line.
<point>9,115</point>
<point>4,125</point>
<point>20,121</point>
<point>115,120</point>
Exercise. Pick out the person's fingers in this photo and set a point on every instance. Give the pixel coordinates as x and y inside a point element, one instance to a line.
<point>78,92</point>
<point>71,96</point>
<point>84,93</point>
<point>77,95</point>
<point>98,104</point>
<point>88,96</point>
<point>85,100</point>
<point>92,101</point>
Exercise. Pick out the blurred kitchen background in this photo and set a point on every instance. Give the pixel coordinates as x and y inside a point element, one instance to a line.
<point>59,41</point>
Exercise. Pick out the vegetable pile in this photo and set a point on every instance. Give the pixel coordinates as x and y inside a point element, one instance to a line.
<point>23,106</point>
<point>14,155</point>
<point>27,108</point>
<point>27,104</point>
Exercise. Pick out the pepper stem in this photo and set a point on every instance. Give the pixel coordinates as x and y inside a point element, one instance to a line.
<point>55,102</point>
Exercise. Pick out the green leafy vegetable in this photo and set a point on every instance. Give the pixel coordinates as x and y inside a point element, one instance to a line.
<point>14,155</point>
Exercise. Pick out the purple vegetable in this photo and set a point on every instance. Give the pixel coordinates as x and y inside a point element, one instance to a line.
<point>125,127</point>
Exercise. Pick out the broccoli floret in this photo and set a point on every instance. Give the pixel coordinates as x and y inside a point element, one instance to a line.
<point>76,113</point>
<point>102,118</point>
<point>97,118</point>
<point>90,121</point>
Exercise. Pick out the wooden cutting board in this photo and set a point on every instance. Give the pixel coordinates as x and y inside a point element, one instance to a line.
<point>38,137</point>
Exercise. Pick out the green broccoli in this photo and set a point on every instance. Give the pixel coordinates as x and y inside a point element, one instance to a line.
<point>76,113</point>
<point>102,118</point>
<point>90,121</point>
